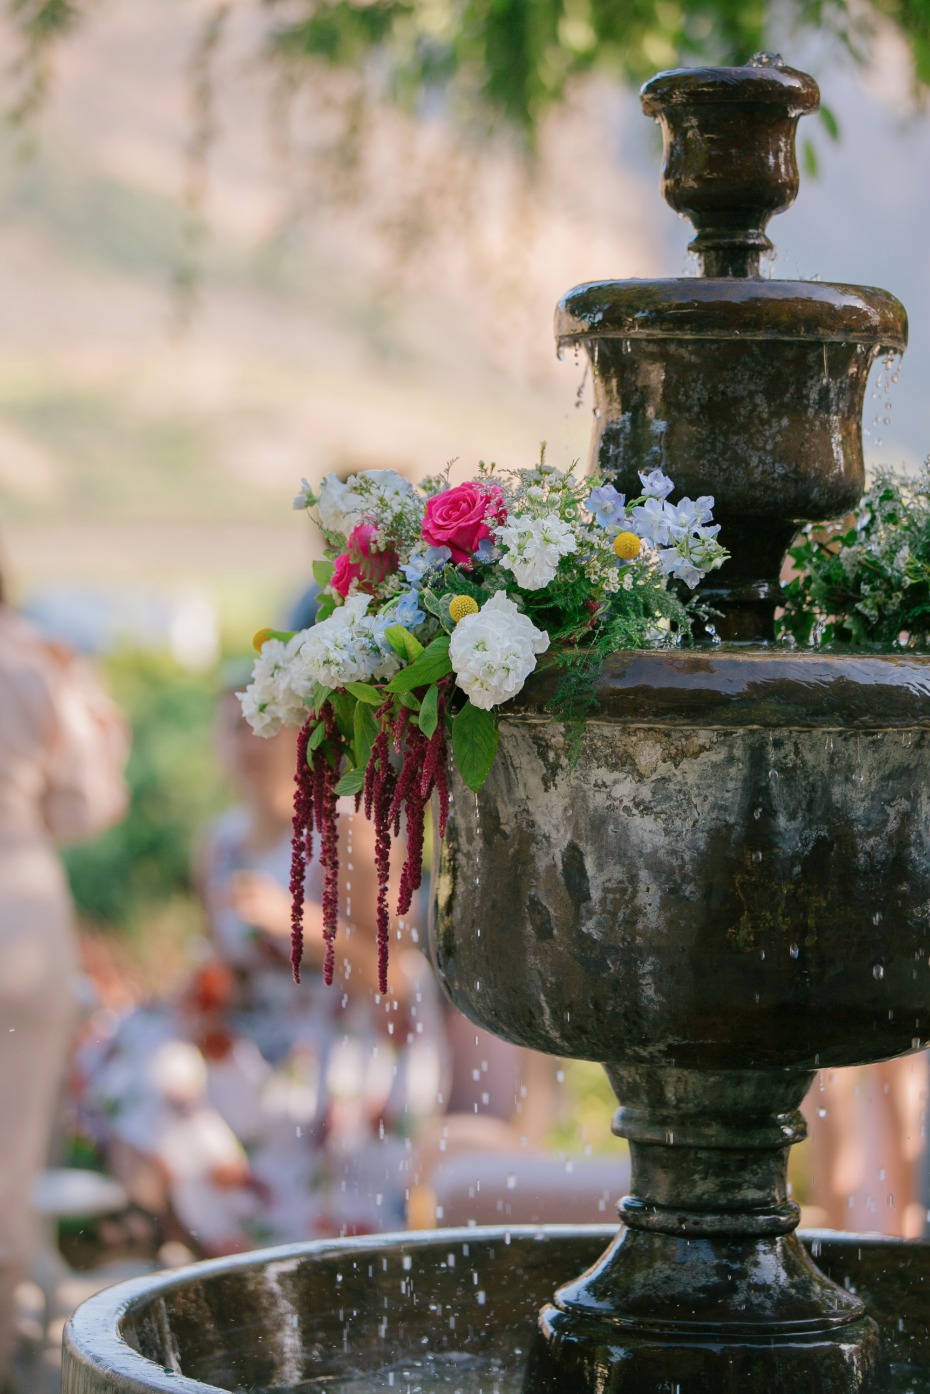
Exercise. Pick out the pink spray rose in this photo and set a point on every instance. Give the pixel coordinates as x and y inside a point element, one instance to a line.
<point>361,562</point>
<point>460,518</point>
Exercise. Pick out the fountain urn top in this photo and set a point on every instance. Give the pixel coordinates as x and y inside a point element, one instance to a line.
<point>729,153</point>
<point>747,389</point>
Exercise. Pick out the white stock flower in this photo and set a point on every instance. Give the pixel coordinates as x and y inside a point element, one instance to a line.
<point>338,505</point>
<point>347,647</point>
<point>270,700</point>
<point>345,504</point>
<point>494,651</point>
<point>533,548</point>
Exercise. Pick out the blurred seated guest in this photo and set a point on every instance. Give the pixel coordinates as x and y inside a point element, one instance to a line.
<point>256,1110</point>
<point>62,750</point>
<point>864,1167</point>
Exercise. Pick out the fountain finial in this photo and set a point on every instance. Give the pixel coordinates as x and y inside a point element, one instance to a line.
<point>729,153</point>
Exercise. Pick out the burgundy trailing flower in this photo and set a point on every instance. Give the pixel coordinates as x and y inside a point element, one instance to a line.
<point>390,796</point>
<point>300,843</point>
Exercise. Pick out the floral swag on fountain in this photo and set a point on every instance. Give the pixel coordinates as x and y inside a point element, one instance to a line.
<point>437,601</point>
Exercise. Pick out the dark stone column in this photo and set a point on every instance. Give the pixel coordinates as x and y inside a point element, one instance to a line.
<point>707,1289</point>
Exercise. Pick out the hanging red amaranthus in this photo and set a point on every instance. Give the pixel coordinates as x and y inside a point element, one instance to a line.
<point>404,768</point>
<point>315,802</point>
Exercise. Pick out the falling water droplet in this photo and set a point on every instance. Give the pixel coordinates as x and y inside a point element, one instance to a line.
<point>793,950</point>
<point>757,857</point>
<point>878,971</point>
<point>579,395</point>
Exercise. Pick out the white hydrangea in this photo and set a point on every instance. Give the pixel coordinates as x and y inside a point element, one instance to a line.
<point>494,651</point>
<point>270,701</point>
<point>533,548</point>
<point>348,647</point>
<point>343,504</point>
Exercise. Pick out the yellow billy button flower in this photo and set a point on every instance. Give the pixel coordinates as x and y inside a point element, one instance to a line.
<point>627,545</point>
<point>462,605</point>
<point>261,636</point>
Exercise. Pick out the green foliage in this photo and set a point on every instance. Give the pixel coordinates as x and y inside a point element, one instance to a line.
<point>867,582</point>
<point>492,59</point>
<point>475,736</point>
<point>432,664</point>
<point>515,58</point>
<point>175,787</point>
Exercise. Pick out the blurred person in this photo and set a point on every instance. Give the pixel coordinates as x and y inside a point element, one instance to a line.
<point>864,1167</point>
<point>63,746</point>
<point>255,1110</point>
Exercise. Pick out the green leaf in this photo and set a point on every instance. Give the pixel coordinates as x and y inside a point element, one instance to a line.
<point>432,664</point>
<point>323,573</point>
<point>351,782</point>
<point>324,608</point>
<point>316,736</point>
<point>429,711</point>
<point>406,645</point>
<point>438,605</point>
<point>366,729</point>
<point>829,120</point>
<point>407,699</point>
<point>474,744</point>
<point>321,696</point>
<point>365,693</point>
<point>344,707</point>
<point>809,156</point>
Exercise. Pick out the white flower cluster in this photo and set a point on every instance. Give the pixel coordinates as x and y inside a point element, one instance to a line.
<point>373,494</point>
<point>533,547</point>
<point>494,651</point>
<point>270,701</point>
<point>348,647</point>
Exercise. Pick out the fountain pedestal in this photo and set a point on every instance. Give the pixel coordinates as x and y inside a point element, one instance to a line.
<point>708,1259</point>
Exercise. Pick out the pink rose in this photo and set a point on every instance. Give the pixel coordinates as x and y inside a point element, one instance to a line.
<point>460,518</point>
<point>361,562</point>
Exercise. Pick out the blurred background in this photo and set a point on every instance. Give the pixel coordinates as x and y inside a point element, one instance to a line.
<point>244,243</point>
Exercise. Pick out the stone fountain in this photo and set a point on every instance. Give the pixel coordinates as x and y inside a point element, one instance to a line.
<point>726,888</point>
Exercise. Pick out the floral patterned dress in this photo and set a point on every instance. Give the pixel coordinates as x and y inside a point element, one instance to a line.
<point>275,1112</point>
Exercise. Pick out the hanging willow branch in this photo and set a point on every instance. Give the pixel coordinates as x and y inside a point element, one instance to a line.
<point>38,25</point>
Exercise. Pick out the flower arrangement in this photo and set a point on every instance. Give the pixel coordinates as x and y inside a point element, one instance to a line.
<point>866,580</point>
<point>436,603</point>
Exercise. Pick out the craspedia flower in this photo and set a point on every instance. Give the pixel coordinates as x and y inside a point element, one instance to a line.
<point>627,545</point>
<point>462,605</point>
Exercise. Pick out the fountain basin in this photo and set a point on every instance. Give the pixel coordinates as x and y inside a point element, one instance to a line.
<point>731,871</point>
<point>448,1310</point>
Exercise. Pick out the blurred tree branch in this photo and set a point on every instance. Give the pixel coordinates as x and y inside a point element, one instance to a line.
<point>488,61</point>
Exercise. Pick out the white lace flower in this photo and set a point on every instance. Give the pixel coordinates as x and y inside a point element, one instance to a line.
<point>494,651</point>
<point>533,548</point>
